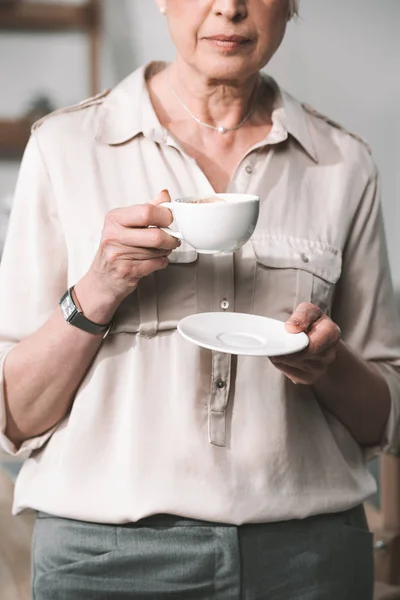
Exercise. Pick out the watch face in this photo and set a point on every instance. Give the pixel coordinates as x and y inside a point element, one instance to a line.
<point>68,308</point>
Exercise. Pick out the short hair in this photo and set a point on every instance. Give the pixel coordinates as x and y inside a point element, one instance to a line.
<point>293,8</point>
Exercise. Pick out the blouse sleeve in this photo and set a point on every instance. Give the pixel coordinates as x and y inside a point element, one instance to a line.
<point>364,304</point>
<point>33,269</point>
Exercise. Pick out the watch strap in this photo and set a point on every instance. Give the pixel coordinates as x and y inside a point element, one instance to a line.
<point>73,315</point>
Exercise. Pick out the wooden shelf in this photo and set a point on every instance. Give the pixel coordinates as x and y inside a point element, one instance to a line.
<point>14,135</point>
<point>41,16</point>
<point>17,15</point>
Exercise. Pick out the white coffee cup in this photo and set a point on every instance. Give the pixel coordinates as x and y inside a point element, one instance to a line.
<point>214,224</point>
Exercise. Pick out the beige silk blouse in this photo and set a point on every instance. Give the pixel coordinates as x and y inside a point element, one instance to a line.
<point>160,425</point>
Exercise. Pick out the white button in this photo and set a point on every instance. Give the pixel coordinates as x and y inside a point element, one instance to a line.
<point>224,304</point>
<point>249,169</point>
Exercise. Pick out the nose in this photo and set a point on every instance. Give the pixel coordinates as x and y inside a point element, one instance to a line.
<point>234,10</point>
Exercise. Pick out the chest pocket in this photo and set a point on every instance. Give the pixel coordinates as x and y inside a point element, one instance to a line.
<point>162,298</point>
<point>293,270</point>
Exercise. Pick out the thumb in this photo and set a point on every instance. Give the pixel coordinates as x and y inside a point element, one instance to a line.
<point>293,325</point>
<point>163,196</point>
<point>303,318</point>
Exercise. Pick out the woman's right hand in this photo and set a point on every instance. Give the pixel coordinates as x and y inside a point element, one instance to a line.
<point>132,246</point>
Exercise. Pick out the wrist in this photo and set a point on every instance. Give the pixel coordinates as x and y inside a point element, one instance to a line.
<point>96,303</point>
<point>73,315</point>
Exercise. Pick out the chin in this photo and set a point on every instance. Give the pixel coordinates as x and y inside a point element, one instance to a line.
<point>228,69</point>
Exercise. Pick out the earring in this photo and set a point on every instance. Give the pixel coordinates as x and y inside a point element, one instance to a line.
<point>163,10</point>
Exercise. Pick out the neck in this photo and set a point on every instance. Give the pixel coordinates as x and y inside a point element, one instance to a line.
<point>218,103</point>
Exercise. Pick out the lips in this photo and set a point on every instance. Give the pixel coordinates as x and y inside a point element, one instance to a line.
<point>228,43</point>
<point>228,39</point>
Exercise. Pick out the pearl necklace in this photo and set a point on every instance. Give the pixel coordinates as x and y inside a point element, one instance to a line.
<point>220,128</point>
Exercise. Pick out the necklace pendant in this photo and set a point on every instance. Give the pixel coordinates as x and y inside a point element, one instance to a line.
<point>222,129</point>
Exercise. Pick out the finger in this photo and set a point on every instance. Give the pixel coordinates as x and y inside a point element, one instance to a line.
<point>128,260</point>
<point>148,253</point>
<point>137,254</point>
<point>143,268</point>
<point>140,215</point>
<point>323,335</point>
<point>303,317</point>
<point>148,237</point>
<point>300,376</point>
<point>163,196</point>
<point>304,359</point>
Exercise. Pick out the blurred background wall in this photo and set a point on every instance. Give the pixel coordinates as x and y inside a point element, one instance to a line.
<point>341,56</point>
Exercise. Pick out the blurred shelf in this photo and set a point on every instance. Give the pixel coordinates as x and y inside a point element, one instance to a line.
<point>17,15</point>
<point>41,16</point>
<point>14,135</point>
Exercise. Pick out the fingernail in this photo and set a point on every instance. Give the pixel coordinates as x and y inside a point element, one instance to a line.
<point>295,322</point>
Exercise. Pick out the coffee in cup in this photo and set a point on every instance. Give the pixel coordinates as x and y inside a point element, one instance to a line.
<point>209,200</point>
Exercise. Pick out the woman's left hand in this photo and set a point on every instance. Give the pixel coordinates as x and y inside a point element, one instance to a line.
<point>307,366</point>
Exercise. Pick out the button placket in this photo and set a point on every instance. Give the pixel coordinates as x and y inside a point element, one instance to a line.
<point>147,296</point>
<point>221,362</point>
<point>242,177</point>
<point>224,277</point>
<point>205,274</point>
<point>221,375</point>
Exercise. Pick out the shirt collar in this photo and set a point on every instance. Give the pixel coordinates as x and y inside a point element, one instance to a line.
<point>127,111</point>
<point>290,118</point>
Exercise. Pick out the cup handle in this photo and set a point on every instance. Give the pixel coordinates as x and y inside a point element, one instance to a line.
<point>172,232</point>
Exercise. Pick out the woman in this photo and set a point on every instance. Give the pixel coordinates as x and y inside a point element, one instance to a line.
<point>159,469</point>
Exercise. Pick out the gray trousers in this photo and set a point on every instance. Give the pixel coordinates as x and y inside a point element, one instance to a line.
<point>327,557</point>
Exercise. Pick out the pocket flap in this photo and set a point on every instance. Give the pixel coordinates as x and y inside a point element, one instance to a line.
<point>285,252</point>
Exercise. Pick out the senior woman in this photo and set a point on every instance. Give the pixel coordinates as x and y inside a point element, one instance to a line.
<point>159,469</point>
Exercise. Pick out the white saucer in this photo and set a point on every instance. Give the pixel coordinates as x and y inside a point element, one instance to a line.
<point>237,333</point>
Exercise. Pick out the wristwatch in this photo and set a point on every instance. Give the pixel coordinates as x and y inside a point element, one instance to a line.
<point>73,315</point>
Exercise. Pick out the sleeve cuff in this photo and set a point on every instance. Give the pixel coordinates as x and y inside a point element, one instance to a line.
<point>391,439</point>
<point>7,445</point>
